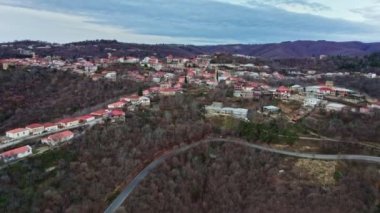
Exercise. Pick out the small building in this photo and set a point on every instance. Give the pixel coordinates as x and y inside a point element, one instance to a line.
<point>168,91</point>
<point>133,99</point>
<point>35,129</point>
<point>217,109</point>
<point>270,109</point>
<point>244,94</point>
<point>282,90</point>
<point>69,122</point>
<point>56,138</point>
<point>17,133</point>
<point>117,115</point>
<point>110,75</point>
<point>132,60</point>
<point>15,154</point>
<point>144,101</point>
<point>311,102</point>
<point>50,127</point>
<point>86,118</point>
<point>297,88</point>
<point>116,105</point>
<point>100,113</point>
<point>335,107</point>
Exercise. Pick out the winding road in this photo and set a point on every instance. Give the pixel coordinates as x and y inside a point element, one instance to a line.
<point>136,181</point>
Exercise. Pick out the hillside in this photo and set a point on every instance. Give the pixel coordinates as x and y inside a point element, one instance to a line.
<point>99,48</point>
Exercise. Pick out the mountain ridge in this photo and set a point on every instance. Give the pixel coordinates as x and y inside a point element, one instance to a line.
<point>288,49</point>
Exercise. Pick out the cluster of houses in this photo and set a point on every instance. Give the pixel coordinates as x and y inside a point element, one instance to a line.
<point>168,77</point>
<point>38,129</point>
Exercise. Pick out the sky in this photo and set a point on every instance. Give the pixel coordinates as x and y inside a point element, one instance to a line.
<point>190,21</point>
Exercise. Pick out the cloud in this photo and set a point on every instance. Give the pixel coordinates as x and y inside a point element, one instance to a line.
<point>58,27</point>
<point>190,21</point>
<point>371,13</point>
<point>293,5</point>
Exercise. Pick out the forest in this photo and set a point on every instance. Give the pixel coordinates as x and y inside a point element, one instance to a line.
<point>42,95</point>
<point>343,125</point>
<point>225,178</point>
<point>86,175</point>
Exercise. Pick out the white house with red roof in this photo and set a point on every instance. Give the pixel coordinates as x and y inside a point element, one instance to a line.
<point>116,105</point>
<point>169,91</point>
<point>133,99</point>
<point>117,115</point>
<point>282,90</point>
<point>56,138</point>
<point>101,113</point>
<point>132,60</point>
<point>15,154</point>
<point>69,122</point>
<point>86,118</point>
<point>35,129</point>
<point>50,127</point>
<point>17,133</point>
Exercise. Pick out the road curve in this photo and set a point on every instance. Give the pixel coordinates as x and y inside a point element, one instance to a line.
<point>136,181</point>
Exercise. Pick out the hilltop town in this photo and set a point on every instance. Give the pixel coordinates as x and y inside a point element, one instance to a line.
<point>181,100</point>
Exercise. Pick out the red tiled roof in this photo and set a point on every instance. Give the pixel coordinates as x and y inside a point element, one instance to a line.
<point>168,90</point>
<point>16,151</point>
<point>117,113</point>
<point>85,117</point>
<point>68,120</point>
<point>17,130</point>
<point>34,126</point>
<point>325,89</point>
<point>49,124</point>
<point>282,89</point>
<point>100,112</point>
<point>119,103</point>
<point>61,135</point>
<point>132,97</point>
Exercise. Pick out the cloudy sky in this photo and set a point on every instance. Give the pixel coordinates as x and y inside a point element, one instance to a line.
<point>190,21</point>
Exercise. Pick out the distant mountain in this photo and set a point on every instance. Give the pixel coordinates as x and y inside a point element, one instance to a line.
<point>296,49</point>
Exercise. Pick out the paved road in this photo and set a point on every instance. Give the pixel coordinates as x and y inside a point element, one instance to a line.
<point>136,181</point>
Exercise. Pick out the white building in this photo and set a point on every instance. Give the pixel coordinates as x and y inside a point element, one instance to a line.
<point>110,75</point>
<point>132,60</point>
<point>217,109</point>
<point>144,101</point>
<point>17,133</point>
<point>270,109</point>
<point>335,107</point>
<point>56,138</point>
<point>35,129</point>
<point>311,102</point>
<point>50,127</point>
<point>15,154</point>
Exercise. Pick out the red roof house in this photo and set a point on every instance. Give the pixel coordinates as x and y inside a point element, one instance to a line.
<point>116,105</point>
<point>117,113</point>
<point>17,133</point>
<point>86,118</point>
<point>69,122</point>
<point>35,128</point>
<point>50,126</point>
<point>283,90</point>
<point>100,113</point>
<point>17,153</point>
<point>59,137</point>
